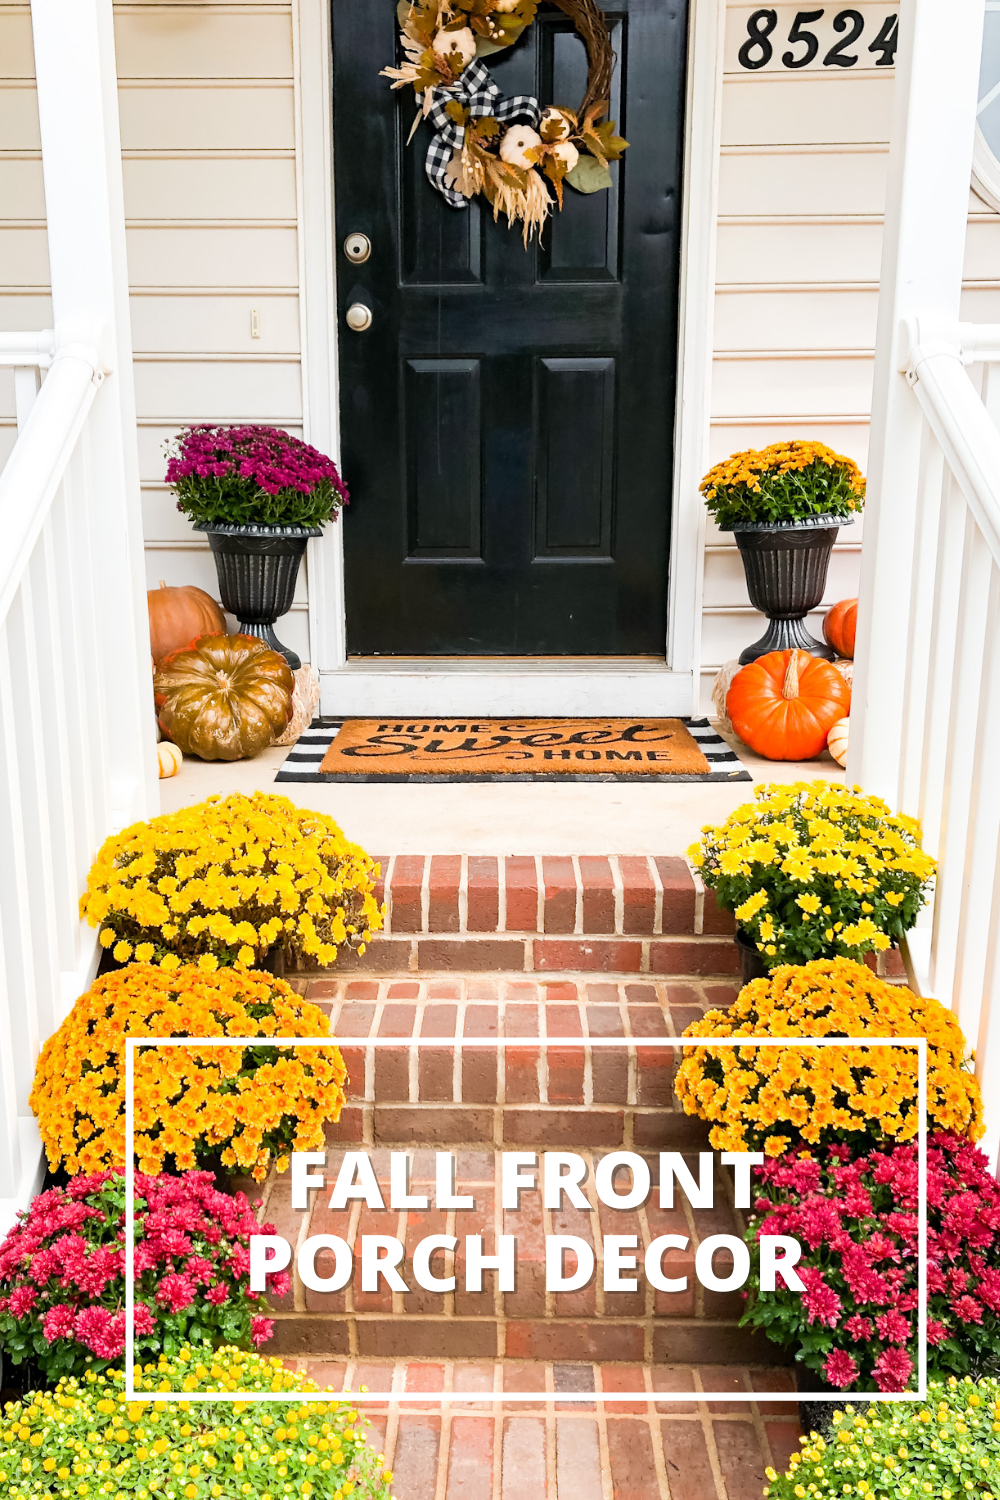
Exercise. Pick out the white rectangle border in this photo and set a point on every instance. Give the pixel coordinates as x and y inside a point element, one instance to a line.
<point>502,1043</point>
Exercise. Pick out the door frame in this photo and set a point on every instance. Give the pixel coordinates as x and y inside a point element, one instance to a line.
<point>528,685</point>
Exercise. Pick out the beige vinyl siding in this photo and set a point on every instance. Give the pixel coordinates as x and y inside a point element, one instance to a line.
<point>207,105</point>
<point>802,180</point>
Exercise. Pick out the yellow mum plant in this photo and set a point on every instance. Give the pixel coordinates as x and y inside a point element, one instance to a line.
<point>86,1438</point>
<point>770,1098</point>
<point>788,482</point>
<point>816,870</point>
<point>226,881</point>
<point>193,1106</point>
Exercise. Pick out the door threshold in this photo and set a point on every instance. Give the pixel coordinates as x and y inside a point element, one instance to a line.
<point>535,687</point>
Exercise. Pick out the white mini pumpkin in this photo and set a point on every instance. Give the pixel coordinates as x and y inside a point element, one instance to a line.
<point>169,758</point>
<point>567,152</point>
<point>836,741</point>
<point>457,46</point>
<point>518,141</point>
<point>506,6</point>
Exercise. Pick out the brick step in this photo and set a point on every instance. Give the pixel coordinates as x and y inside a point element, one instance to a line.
<point>479,1101</point>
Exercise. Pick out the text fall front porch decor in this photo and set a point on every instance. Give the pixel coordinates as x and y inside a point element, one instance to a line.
<point>504,149</point>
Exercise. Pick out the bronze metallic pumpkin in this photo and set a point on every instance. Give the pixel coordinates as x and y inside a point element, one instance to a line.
<point>224,697</point>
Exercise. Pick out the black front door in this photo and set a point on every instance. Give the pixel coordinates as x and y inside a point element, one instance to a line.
<point>507,418</point>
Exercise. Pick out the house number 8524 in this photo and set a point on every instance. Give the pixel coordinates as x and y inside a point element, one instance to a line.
<point>804,44</point>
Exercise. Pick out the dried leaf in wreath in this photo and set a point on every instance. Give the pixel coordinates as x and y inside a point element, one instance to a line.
<point>589,175</point>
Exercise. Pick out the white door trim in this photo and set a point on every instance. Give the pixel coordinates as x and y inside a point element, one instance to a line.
<point>670,686</point>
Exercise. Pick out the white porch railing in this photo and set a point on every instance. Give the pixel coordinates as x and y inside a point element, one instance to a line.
<point>76,740</point>
<point>925,713</point>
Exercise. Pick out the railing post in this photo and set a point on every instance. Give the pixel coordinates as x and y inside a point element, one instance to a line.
<point>81,162</point>
<point>930,167</point>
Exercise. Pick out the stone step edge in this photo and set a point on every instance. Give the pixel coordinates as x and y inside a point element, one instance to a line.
<point>635,895</point>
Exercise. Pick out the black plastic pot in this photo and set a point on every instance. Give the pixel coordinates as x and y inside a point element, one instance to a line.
<point>258,567</point>
<point>817,1416</point>
<point>786,568</point>
<point>752,965</point>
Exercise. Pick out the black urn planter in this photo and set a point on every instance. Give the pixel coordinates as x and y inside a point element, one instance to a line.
<point>786,567</point>
<point>752,965</point>
<point>258,567</point>
<point>817,1416</point>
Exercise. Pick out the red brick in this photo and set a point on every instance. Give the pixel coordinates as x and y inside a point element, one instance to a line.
<point>470,1459</point>
<point>521,1075</point>
<point>479,1064</point>
<point>382,955</point>
<point>304,1334</point>
<point>668,1130</point>
<point>685,1454</point>
<point>416,1338</point>
<point>675,956</point>
<point>348,1129</point>
<point>713,1343</point>
<point>354,1019</point>
<point>483,894</point>
<point>609,1070</point>
<point>678,893</point>
<point>470,953</point>
<point>565,1065</point>
<point>667,1378</point>
<point>574,1341</point>
<point>559,879</point>
<point>655,1076</point>
<point>415,1460</point>
<point>287,1222</point>
<point>723,1378</point>
<point>382,861</point>
<point>714,919</point>
<point>639,894</point>
<point>740,1459</point>
<point>392,1075</point>
<point>604,1020</point>
<point>523,1471</point>
<point>443,887</point>
<point>405,882</point>
<point>570,1130</point>
<point>408,989</point>
<point>435,1064</point>
<point>521,880</point>
<point>598,894</point>
<point>783,1438</point>
<point>774,1380</point>
<point>432,1126</point>
<point>624,1378</point>
<point>578,1458</point>
<point>633,1470</point>
<point>354,1062</point>
<point>588,955</point>
<point>891,964</point>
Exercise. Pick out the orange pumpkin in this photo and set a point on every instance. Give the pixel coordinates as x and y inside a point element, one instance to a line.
<point>225,697</point>
<point>178,616</point>
<point>840,626</point>
<point>784,704</point>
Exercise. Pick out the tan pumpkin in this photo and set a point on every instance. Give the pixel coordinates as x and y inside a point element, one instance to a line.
<point>836,741</point>
<point>178,616</point>
<point>226,697</point>
<point>169,759</point>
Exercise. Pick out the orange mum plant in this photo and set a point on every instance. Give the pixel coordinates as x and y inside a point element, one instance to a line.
<point>770,1098</point>
<point>226,881</point>
<point>194,1106</point>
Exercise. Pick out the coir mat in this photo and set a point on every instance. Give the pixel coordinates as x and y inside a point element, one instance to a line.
<point>484,749</point>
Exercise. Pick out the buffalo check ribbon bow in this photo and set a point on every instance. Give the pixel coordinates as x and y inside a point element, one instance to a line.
<point>475,90</point>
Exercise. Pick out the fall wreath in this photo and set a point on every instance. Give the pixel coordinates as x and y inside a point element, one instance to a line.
<point>515,151</point>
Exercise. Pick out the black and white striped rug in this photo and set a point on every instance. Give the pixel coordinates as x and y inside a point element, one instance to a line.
<point>305,757</point>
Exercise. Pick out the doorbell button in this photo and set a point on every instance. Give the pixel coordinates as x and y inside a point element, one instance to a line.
<point>359,317</point>
<point>357,247</point>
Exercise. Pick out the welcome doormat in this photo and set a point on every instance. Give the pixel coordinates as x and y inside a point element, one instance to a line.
<point>484,749</point>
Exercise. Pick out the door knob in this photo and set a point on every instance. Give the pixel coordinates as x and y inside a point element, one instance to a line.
<point>359,317</point>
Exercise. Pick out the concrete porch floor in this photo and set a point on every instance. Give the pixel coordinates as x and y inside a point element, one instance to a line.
<point>498,818</point>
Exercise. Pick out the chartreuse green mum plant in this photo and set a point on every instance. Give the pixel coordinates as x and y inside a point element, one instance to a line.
<point>85,1439</point>
<point>946,1448</point>
<point>816,870</point>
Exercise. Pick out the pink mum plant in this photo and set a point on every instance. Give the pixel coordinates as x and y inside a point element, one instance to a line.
<point>857,1222</point>
<point>252,476</point>
<point>62,1273</point>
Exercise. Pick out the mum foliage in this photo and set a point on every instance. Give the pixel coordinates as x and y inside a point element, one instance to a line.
<point>242,1105</point>
<point>857,1222</point>
<point>86,1439</point>
<point>947,1448</point>
<point>787,482</point>
<point>62,1273</point>
<point>252,476</point>
<point>773,1097</point>
<point>816,870</point>
<point>227,880</point>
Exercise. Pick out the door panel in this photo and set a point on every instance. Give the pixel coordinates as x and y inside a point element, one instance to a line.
<point>507,419</point>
